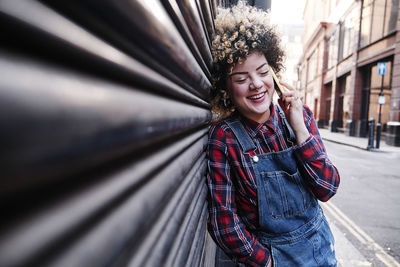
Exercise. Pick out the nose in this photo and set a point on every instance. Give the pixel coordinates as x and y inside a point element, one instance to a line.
<point>256,84</point>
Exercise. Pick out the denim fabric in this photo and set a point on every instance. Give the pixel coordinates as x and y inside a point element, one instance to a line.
<point>292,224</point>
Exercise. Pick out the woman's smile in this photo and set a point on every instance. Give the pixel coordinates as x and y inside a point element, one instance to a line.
<point>258,97</point>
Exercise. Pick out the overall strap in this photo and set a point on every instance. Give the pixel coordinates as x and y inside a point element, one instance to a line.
<point>243,137</point>
<point>290,136</point>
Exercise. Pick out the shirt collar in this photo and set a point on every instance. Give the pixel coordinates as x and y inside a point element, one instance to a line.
<point>254,127</point>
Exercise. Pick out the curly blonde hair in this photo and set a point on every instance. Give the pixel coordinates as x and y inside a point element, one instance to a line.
<point>239,31</point>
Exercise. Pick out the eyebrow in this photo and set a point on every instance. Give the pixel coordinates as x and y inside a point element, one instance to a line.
<point>245,72</point>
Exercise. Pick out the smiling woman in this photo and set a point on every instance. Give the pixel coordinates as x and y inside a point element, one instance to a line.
<point>250,87</point>
<point>264,185</point>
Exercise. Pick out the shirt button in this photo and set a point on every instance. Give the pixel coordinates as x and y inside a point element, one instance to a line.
<point>255,159</point>
<point>265,127</point>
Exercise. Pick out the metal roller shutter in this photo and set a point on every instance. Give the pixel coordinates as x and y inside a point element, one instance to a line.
<point>104,119</point>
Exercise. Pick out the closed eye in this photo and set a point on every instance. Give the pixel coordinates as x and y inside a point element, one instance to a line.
<point>241,80</point>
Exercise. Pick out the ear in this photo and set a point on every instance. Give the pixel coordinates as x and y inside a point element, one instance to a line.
<point>229,92</point>
<point>225,94</point>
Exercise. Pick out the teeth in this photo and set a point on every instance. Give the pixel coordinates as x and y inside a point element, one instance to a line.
<point>257,96</point>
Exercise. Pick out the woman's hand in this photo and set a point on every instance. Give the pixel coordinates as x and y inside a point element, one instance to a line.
<point>293,108</point>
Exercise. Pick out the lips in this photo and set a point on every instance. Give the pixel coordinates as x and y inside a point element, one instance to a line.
<point>257,96</point>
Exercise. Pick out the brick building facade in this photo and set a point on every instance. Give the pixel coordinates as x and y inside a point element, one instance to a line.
<point>343,42</point>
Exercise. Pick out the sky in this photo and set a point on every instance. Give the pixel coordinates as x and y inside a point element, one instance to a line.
<point>287,11</point>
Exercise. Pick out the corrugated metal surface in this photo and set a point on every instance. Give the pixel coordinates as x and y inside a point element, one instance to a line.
<point>103,125</point>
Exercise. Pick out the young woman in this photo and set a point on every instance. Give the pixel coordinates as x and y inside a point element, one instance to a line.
<point>264,182</point>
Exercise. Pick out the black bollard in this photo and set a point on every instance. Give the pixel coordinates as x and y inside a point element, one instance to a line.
<point>371,128</point>
<point>378,134</point>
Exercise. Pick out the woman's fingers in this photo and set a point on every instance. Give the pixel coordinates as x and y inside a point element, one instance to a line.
<point>288,86</point>
<point>291,97</point>
<point>294,112</point>
<point>290,92</point>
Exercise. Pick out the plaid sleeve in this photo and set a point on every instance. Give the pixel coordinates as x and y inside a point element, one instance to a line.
<point>317,169</point>
<point>225,225</point>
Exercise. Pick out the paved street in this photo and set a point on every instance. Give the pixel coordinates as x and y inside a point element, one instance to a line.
<point>365,213</point>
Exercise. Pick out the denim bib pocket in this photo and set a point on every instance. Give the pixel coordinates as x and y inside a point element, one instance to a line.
<point>285,194</point>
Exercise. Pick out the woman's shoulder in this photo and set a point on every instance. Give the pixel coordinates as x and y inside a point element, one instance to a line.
<point>218,136</point>
<point>219,128</point>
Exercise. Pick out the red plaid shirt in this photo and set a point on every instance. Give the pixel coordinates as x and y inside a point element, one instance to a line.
<point>232,184</point>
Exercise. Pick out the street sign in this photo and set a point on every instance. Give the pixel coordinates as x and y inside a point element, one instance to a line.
<point>381,100</point>
<point>382,68</point>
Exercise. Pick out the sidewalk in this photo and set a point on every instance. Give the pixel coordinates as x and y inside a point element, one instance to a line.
<point>346,253</point>
<point>357,142</point>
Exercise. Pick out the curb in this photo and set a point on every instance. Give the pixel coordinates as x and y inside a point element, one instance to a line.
<point>347,144</point>
<point>376,150</point>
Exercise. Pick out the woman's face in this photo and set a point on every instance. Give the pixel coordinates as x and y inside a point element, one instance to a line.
<point>250,86</point>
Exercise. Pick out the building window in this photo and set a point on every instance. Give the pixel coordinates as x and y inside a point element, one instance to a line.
<point>392,8</point>
<point>312,67</point>
<point>366,23</point>
<point>347,33</point>
<point>333,49</point>
<point>378,20</point>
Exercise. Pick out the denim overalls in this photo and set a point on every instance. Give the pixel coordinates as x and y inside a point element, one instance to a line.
<point>292,224</point>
